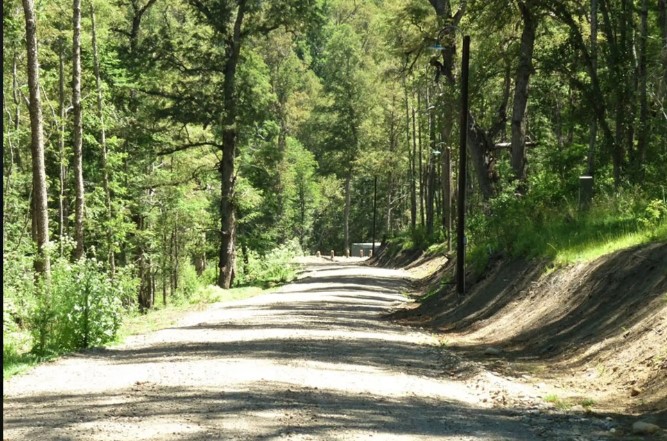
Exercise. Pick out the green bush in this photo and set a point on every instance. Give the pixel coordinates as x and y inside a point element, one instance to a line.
<point>274,267</point>
<point>188,282</point>
<point>79,308</point>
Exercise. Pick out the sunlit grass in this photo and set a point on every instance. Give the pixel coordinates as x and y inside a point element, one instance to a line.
<point>164,317</point>
<point>565,241</point>
<point>586,252</point>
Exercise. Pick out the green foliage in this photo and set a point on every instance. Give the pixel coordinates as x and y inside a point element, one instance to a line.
<point>270,269</point>
<point>188,283</point>
<point>654,214</point>
<point>538,225</point>
<point>81,307</point>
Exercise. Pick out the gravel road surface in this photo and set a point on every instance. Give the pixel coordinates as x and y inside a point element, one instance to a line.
<point>312,361</point>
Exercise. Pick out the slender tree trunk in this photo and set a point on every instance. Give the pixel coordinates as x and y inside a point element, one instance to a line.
<point>172,283</point>
<point>422,219</point>
<point>61,151</point>
<point>227,165</point>
<point>430,186</point>
<point>16,95</point>
<point>78,129</point>
<point>616,61</point>
<point>177,264</point>
<point>390,200</point>
<point>523,73</point>
<point>40,213</point>
<point>13,152</point>
<point>413,182</point>
<point>596,97</point>
<point>594,67</point>
<point>7,174</point>
<point>346,212</point>
<point>103,145</point>
<point>643,135</point>
<point>163,266</point>
<point>411,161</point>
<point>662,24</point>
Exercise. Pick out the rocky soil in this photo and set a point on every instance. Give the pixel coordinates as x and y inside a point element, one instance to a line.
<point>312,361</point>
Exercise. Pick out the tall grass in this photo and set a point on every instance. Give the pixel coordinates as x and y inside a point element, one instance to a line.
<point>525,227</point>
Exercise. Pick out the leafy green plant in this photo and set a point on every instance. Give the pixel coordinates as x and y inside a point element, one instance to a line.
<point>272,268</point>
<point>80,307</point>
<point>654,213</point>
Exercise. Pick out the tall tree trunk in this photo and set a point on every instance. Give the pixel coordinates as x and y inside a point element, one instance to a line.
<point>447,197</point>
<point>346,213</point>
<point>61,150</point>
<point>142,248</point>
<point>103,145</point>
<point>422,218</point>
<point>17,105</point>
<point>594,67</point>
<point>643,135</point>
<point>42,262</point>
<point>411,161</point>
<point>78,128</point>
<point>414,174</point>
<point>479,143</point>
<point>662,24</point>
<point>523,73</point>
<point>594,92</point>
<point>430,180</point>
<point>616,62</point>
<point>227,165</point>
<point>14,156</point>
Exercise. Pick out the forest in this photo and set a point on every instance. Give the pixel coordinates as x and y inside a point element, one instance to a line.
<point>153,147</point>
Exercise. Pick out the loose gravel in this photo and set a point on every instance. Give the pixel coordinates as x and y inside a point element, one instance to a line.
<point>311,361</point>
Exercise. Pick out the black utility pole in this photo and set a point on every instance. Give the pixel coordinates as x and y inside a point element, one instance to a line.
<point>460,240</point>
<point>375,195</point>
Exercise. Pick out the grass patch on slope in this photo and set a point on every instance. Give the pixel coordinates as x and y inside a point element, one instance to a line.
<point>535,228</point>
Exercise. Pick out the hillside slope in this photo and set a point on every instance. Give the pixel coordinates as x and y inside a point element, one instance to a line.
<point>599,328</point>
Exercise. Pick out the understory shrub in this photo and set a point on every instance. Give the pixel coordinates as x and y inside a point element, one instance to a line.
<point>80,307</point>
<point>274,267</point>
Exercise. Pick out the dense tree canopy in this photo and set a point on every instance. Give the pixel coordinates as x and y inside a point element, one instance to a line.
<point>178,134</point>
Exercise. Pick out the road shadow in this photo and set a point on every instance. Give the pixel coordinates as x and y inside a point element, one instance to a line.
<point>278,410</point>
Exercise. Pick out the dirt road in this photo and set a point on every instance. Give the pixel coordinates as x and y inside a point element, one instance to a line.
<point>313,361</point>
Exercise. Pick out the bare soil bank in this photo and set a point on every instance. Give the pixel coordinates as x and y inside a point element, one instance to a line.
<point>597,328</point>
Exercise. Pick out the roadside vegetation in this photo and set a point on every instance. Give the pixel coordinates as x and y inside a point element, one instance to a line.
<point>558,230</point>
<point>84,308</point>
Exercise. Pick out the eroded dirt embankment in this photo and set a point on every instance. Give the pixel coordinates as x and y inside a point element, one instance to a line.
<point>598,327</point>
